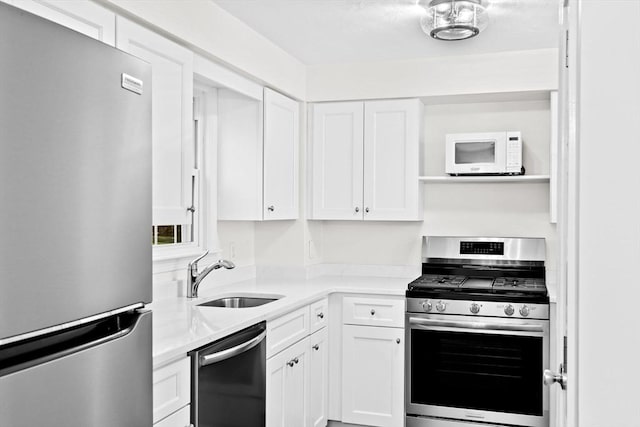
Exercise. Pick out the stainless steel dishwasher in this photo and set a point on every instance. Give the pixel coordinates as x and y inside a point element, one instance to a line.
<point>228,380</point>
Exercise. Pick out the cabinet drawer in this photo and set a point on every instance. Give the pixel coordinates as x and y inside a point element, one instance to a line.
<point>171,388</point>
<point>182,418</point>
<point>371,311</point>
<point>318,314</point>
<point>286,330</point>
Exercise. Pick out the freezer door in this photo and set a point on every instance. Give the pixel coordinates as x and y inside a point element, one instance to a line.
<point>75,176</point>
<point>89,384</point>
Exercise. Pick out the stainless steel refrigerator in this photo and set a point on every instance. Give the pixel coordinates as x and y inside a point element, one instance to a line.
<point>75,229</point>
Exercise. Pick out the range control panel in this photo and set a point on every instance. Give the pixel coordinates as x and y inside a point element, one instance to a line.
<point>481,248</point>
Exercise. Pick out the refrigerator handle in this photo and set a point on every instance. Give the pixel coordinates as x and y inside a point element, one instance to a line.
<point>25,354</point>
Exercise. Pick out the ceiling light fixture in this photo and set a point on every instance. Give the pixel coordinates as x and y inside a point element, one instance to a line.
<point>453,19</point>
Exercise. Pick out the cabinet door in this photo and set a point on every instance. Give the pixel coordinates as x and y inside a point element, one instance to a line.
<point>318,379</point>
<point>391,160</point>
<point>372,375</point>
<point>281,141</point>
<point>172,119</point>
<point>337,152</point>
<point>181,418</point>
<point>287,386</point>
<point>82,16</point>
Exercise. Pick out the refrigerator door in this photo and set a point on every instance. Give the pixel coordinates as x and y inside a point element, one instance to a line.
<point>99,376</point>
<point>75,176</point>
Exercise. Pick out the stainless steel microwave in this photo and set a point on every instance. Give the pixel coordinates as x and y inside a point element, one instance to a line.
<point>490,153</point>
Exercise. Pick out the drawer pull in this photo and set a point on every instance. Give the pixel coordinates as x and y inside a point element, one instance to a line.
<point>316,347</point>
<point>373,312</point>
<point>321,315</point>
<point>290,363</point>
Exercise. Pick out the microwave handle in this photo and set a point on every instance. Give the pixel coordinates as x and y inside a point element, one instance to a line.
<point>430,323</point>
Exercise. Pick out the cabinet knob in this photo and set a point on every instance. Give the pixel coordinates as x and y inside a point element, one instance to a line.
<point>398,340</point>
<point>357,209</point>
<point>296,360</point>
<point>316,347</point>
<point>290,363</point>
<point>271,208</point>
<point>373,312</point>
<point>321,315</point>
<point>366,210</point>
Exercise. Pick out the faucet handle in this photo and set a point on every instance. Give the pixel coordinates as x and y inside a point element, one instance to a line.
<point>193,265</point>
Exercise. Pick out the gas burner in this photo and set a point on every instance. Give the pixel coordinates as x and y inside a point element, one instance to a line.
<point>519,284</point>
<point>438,281</point>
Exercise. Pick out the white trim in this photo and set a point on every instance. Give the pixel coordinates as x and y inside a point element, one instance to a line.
<point>221,77</point>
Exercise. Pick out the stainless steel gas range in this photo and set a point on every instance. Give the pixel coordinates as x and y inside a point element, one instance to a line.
<point>477,334</point>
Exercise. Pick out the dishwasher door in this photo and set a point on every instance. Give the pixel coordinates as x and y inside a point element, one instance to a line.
<point>229,380</point>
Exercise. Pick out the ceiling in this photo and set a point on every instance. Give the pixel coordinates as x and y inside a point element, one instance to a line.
<point>342,31</point>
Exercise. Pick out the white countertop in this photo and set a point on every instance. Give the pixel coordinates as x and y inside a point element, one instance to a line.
<point>180,326</point>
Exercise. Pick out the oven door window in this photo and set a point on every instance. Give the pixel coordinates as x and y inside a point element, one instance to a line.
<point>475,152</point>
<point>488,372</point>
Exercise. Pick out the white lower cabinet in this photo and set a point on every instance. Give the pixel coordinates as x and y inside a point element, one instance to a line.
<point>318,393</point>
<point>298,368</point>
<point>172,394</point>
<point>372,375</point>
<point>181,418</point>
<point>287,387</point>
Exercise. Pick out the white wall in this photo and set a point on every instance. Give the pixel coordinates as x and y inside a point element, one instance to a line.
<point>609,212</point>
<point>211,31</point>
<point>533,70</point>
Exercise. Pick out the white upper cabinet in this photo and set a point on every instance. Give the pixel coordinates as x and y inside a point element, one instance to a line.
<point>172,119</point>
<point>366,160</point>
<point>258,145</point>
<point>281,141</point>
<point>84,17</point>
<point>392,161</point>
<point>337,149</point>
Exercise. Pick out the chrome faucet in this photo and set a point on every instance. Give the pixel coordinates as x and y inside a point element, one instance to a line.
<point>194,278</point>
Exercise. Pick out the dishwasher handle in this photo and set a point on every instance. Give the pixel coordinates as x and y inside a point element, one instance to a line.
<point>233,351</point>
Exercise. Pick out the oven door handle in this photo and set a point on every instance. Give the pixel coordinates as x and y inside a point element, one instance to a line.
<point>427,323</point>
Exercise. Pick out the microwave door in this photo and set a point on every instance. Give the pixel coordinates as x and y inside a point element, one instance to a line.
<point>474,152</point>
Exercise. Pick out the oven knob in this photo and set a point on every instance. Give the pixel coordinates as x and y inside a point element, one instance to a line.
<point>441,306</point>
<point>426,305</point>
<point>475,308</point>
<point>524,311</point>
<point>508,310</point>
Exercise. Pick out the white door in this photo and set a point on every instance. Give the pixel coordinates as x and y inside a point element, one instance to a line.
<point>391,160</point>
<point>281,141</point>
<point>337,161</point>
<point>287,387</point>
<point>318,379</point>
<point>172,119</point>
<point>84,17</point>
<point>372,376</point>
<point>566,217</point>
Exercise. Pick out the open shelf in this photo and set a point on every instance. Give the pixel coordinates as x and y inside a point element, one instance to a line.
<point>484,179</point>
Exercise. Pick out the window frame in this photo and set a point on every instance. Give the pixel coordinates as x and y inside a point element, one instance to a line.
<point>175,256</point>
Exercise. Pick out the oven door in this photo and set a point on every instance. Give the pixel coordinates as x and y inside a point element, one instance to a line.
<point>478,369</point>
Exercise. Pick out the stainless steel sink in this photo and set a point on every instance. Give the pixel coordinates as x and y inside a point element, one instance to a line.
<point>239,302</point>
